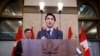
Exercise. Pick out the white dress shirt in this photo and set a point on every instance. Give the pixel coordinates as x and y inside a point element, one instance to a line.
<point>51,30</point>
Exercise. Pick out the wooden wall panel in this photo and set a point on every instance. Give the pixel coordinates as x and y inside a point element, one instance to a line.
<point>30,19</point>
<point>69,20</point>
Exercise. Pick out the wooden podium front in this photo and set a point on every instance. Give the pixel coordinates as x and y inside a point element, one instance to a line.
<point>50,47</point>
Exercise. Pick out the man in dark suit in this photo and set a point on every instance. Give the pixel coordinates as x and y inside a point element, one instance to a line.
<point>18,50</point>
<point>50,32</point>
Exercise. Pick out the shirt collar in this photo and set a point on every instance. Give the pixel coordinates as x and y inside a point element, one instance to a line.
<point>50,29</point>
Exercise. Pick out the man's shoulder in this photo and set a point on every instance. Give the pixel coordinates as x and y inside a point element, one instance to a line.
<point>41,31</point>
<point>58,30</point>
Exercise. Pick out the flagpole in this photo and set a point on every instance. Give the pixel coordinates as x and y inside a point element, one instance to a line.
<point>60,19</point>
<point>41,19</point>
<point>70,23</point>
<point>82,23</point>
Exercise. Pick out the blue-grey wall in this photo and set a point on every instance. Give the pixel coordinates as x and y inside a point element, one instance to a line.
<point>6,48</point>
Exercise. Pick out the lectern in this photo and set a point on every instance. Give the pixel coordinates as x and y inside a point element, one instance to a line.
<point>49,47</point>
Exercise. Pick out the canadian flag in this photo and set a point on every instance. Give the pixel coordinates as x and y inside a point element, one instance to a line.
<point>32,32</point>
<point>42,28</point>
<point>69,33</point>
<point>18,37</point>
<point>57,28</point>
<point>84,43</point>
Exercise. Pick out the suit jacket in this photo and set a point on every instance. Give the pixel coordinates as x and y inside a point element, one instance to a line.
<point>56,34</point>
<point>18,49</point>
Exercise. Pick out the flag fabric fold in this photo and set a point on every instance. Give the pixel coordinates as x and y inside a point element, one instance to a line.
<point>32,31</point>
<point>19,34</point>
<point>18,37</point>
<point>69,33</point>
<point>84,43</point>
<point>42,28</point>
<point>57,28</point>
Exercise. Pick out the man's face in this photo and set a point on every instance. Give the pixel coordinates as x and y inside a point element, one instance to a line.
<point>28,34</point>
<point>50,21</point>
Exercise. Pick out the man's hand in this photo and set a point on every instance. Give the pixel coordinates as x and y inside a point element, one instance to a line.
<point>43,37</point>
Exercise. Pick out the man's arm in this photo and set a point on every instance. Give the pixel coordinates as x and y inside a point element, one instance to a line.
<point>38,35</point>
<point>60,36</point>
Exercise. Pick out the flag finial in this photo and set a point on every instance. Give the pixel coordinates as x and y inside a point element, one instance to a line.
<point>32,24</point>
<point>82,23</point>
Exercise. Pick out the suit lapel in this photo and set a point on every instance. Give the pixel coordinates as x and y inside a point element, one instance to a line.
<point>53,34</point>
<point>46,35</point>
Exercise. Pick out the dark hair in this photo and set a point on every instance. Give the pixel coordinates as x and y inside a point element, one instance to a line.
<point>27,30</point>
<point>51,15</point>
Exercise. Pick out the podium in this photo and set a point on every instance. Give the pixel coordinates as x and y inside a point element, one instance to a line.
<point>49,47</point>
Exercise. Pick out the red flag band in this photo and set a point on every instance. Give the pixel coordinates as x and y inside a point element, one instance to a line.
<point>69,33</point>
<point>32,32</point>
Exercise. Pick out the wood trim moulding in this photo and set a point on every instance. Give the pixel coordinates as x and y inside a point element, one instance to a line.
<point>35,9</point>
<point>88,18</point>
<point>10,17</point>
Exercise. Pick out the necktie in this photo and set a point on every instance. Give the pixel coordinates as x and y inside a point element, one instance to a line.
<point>48,32</point>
